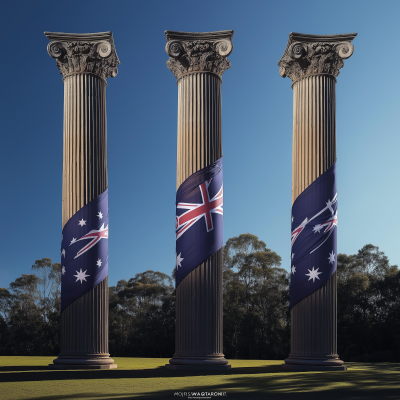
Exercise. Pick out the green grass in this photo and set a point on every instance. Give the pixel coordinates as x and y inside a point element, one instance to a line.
<point>29,378</point>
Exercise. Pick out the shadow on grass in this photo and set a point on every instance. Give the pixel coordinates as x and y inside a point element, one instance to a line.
<point>359,385</point>
<point>28,374</point>
<point>378,366</point>
<point>22,368</point>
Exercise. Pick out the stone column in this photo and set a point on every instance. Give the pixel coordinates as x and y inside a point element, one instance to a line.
<point>85,61</point>
<point>313,62</point>
<point>198,61</point>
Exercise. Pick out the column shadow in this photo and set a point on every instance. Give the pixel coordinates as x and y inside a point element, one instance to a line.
<point>364,385</point>
<point>29,374</point>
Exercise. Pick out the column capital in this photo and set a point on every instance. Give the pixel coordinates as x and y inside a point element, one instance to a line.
<point>192,52</point>
<point>307,55</point>
<point>84,52</point>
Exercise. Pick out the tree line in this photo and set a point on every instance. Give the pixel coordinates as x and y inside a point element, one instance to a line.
<point>256,308</point>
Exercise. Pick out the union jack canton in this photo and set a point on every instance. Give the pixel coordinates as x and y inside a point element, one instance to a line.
<point>198,225</point>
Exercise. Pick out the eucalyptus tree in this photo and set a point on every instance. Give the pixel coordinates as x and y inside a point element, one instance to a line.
<point>30,311</point>
<point>256,323</point>
<point>368,306</point>
<point>142,315</point>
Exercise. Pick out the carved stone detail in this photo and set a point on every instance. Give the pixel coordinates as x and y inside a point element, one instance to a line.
<point>307,55</point>
<point>79,53</point>
<point>198,52</point>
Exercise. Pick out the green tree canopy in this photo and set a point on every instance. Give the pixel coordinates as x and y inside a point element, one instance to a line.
<point>30,312</point>
<point>368,306</point>
<point>256,323</point>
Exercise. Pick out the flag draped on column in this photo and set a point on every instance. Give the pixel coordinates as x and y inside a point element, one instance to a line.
<point>314,236</point>
<point>199,217</point>
<point>84,250</point>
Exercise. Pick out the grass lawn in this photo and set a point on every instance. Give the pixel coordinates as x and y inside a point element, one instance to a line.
<point>29,378</point>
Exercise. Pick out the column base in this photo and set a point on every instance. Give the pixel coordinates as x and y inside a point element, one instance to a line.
<point>88,361</point>
<point>327,363</point>
<point>207,363</point>
<point>82,366</point>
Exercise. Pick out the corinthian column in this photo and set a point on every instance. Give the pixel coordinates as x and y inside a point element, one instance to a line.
<point>85,61</point>
<point>313,62</point>
<point>198,61</point>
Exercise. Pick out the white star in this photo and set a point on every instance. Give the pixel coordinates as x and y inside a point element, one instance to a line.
<point>73,240</point>
<point>82,222</point>
<point>329,205</point>
<point>63,270</point>
<point>317,228</point>
<point>331,257</point>
<point>81,276</point>
<point>293,269</point>
<point>63,252</point>
<point>292,218</point>
<point>179,261</point>
<point>292,255</point>
<point>100,215</point>
<point>99,262</point>
<point>313,274</point>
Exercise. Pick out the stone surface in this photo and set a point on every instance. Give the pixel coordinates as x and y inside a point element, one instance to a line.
<point>85,60</point>
<point>198,52</point>
<point>314,319</point>
<point>312,62</point>
<point>307,55</point>
<point>82,366</point>
<point>199,330</point>
<point>84,53</point>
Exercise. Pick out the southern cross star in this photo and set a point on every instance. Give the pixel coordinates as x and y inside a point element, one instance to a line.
<point>292,255</point>
<point>313,274</point>
<point>63,270</point>
<point>73,240</point>
<point>99,262</point>
<point>293,269</point>
<point>82,222</point>
<point>81,276</point>
<point>179,260</point>
<point>331,257</point>
<point>100,215</point>
<point>63,252</point>
<point>317,228</point>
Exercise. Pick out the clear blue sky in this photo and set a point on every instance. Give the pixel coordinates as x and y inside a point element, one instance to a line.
<point>142,122</point>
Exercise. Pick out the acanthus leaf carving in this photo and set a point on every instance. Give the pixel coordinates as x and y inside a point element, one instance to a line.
<point>97,57</point>
<point>188,56</point>
<point>307,55</point>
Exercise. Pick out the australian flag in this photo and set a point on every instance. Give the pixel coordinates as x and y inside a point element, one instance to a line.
<point>199,215</point>
<point>314,236</point>
<point>84,250</point>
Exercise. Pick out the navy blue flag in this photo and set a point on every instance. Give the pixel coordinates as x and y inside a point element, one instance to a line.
<point>199,215</point>
<point>314,236</point>
<point>84,250</point>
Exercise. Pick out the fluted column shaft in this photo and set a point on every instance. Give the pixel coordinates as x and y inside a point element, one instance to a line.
<point>85,60</point>
<point>313,326</point>
<point>84,323</point>
<point>199,295</point>
<point>313,62</point>
<point>198,61</point>
<point>85,142</point>
<point>314,130</point>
